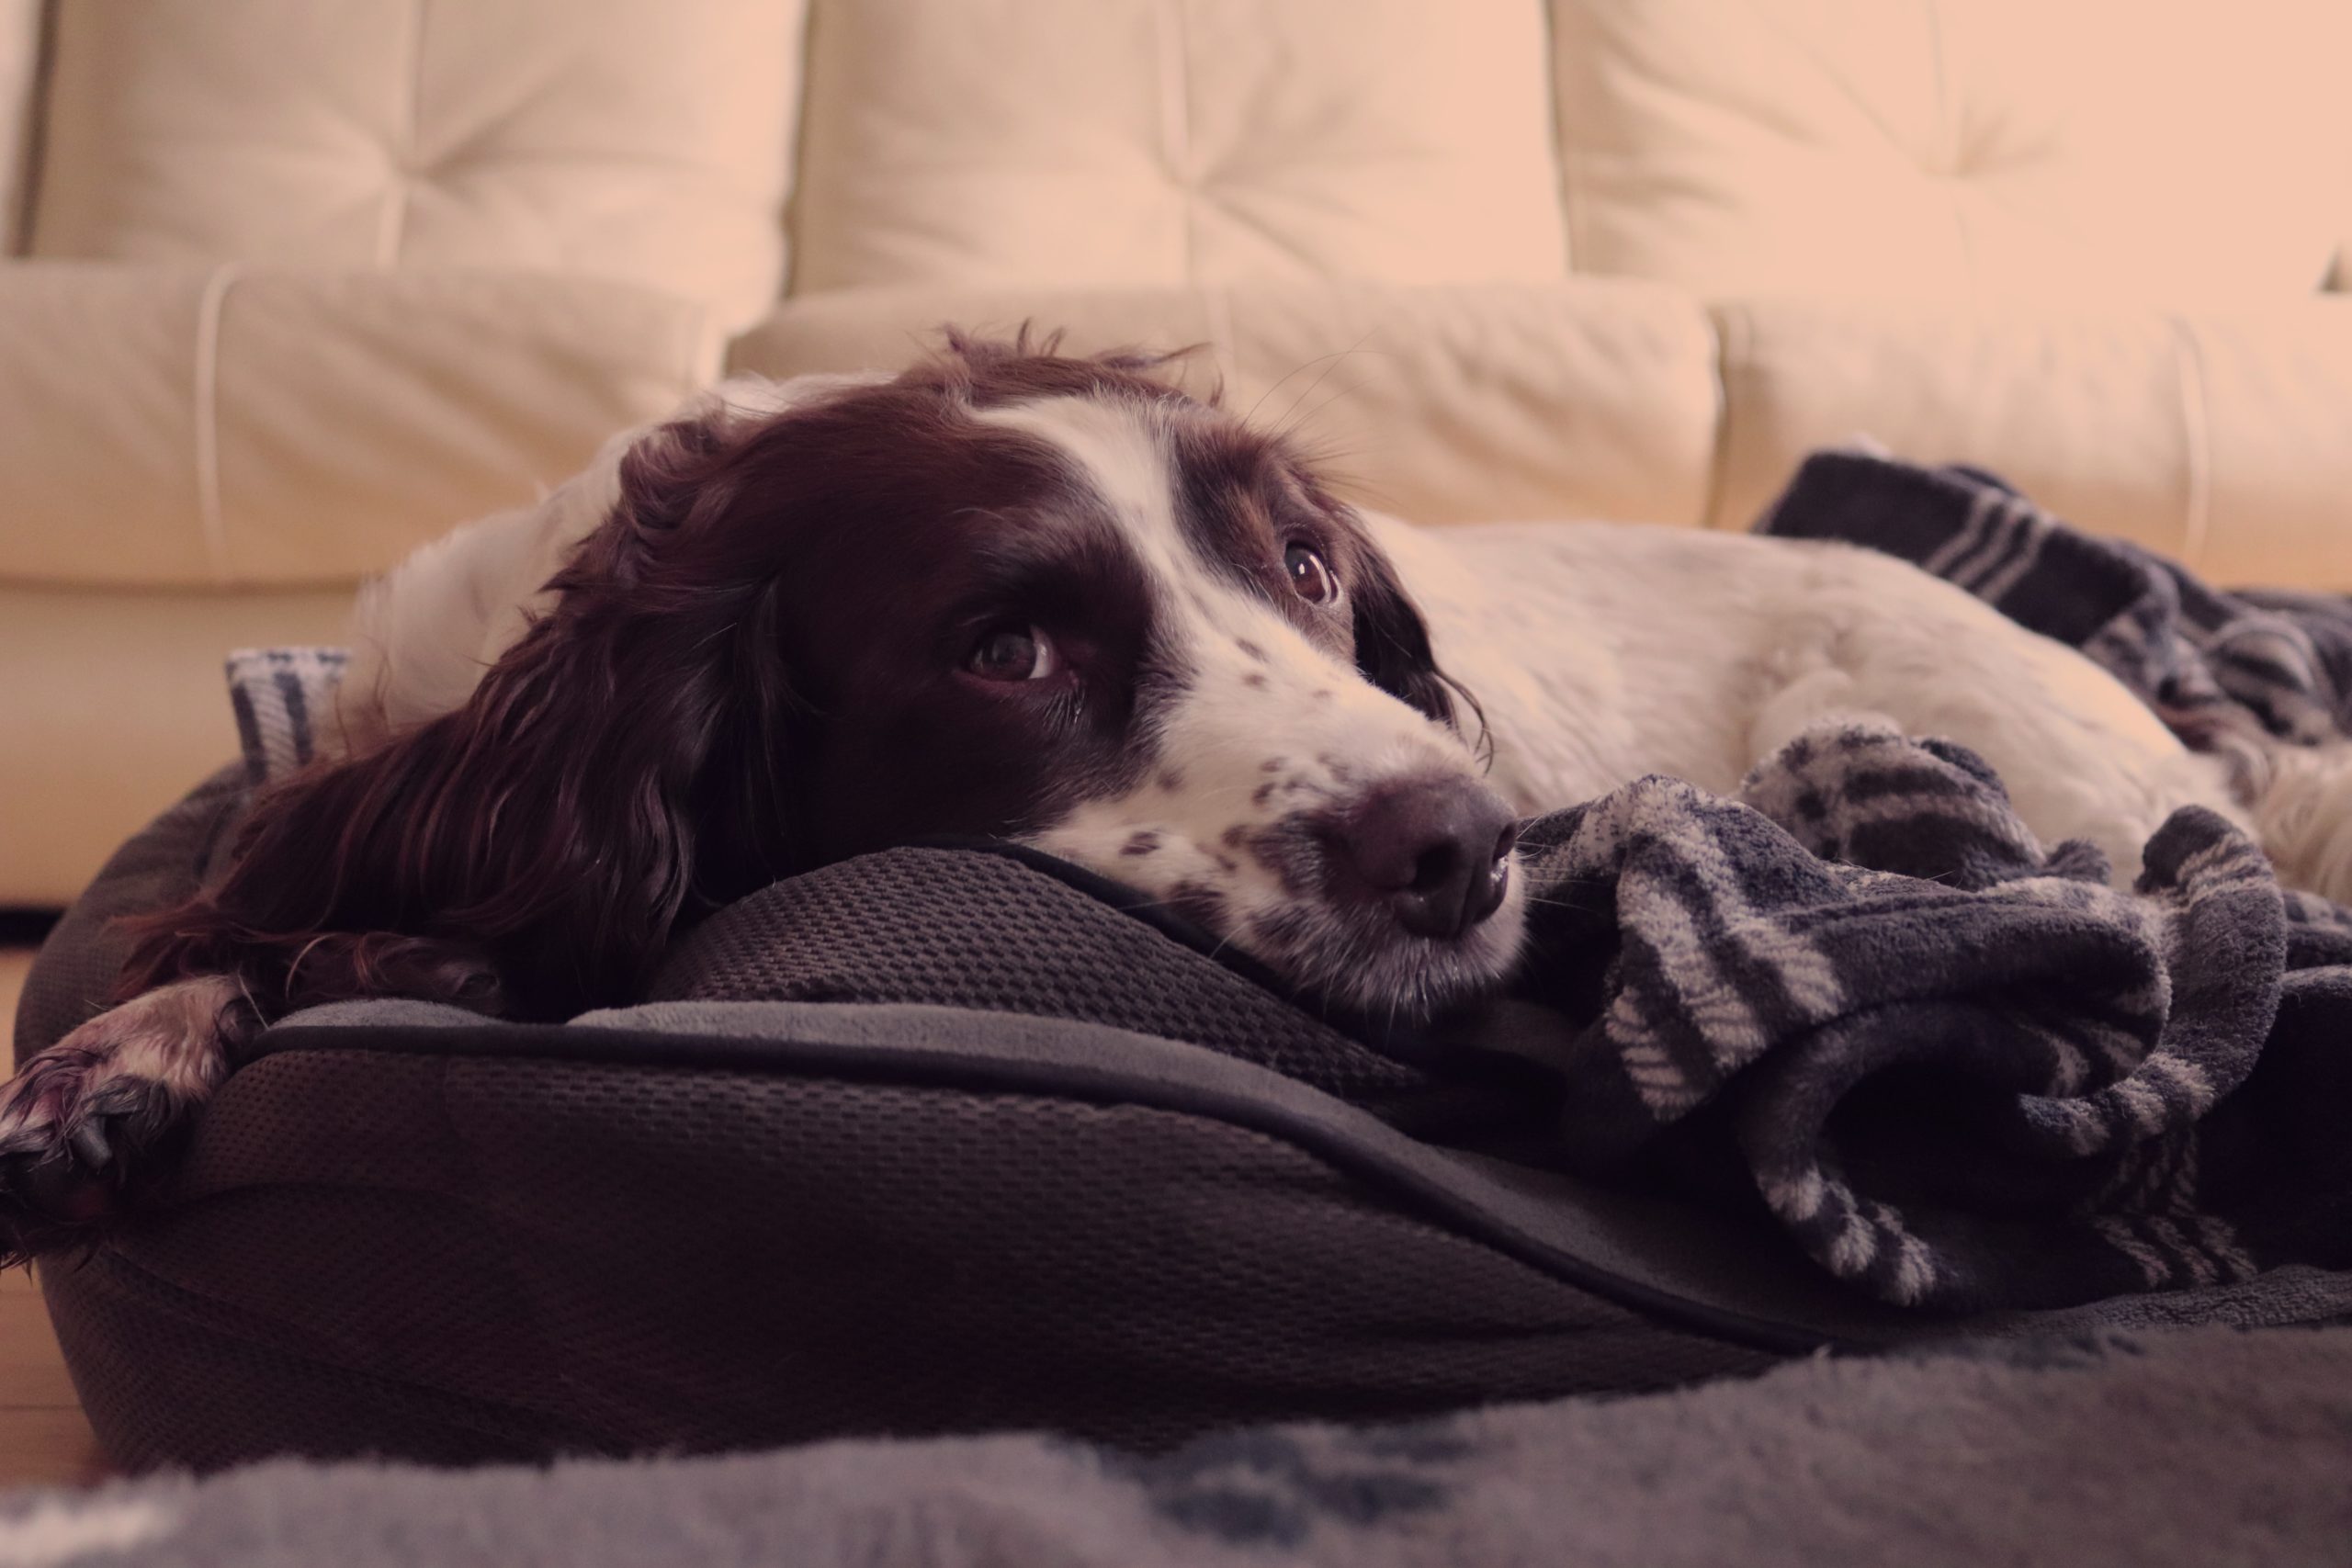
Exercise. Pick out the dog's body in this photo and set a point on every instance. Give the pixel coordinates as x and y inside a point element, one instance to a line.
<point>1040,597</point>
<point>1602,652</point>
<point>1598,652</point>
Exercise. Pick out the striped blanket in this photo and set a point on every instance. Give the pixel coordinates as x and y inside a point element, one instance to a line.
<point>2272,663</point>
<point>279,696</point>
<point>1954,1065</point>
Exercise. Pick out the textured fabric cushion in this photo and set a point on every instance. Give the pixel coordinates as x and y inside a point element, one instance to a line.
<point>2089,148</point>
<point>909,1179</point>
<point>654,1231</point>
<point>1130,142</point>
<point>467,1255</point>
<point>1589,397</point>
<point>2221,439</point>
<point>176,427</point>
<point>640,140</point>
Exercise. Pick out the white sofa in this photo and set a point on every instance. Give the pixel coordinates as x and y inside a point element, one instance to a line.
<point>297,284</point>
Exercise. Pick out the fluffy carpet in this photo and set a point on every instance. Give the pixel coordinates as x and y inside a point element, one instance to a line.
<point>2202,1446</point>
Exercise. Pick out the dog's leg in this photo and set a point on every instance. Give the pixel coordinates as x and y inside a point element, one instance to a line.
<point>82,1123</point>
<point>77,1121</point>
<point>2301,806</point>
<point>2073,768</point>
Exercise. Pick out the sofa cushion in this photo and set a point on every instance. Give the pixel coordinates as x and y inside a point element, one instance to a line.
<point>1471,403</point>
<point>641,140</point>
<point>1127,141</point>
<point>2274,389</point>
<point>175,427</point>
<point>1996,147</point>
<point>2218,439</point>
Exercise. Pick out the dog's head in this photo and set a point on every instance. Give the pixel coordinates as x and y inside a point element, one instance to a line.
<point>1008,593</point>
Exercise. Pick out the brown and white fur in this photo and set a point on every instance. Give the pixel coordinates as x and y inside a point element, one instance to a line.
<point>1016,593</point>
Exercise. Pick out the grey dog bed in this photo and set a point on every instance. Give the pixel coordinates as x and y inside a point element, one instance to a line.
<point>940,1140</point>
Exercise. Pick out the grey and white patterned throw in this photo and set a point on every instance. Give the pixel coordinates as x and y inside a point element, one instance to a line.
<point>1962,1072</point>
<point>280,695</point>
<point>1959,1069</point>
<point>2264,661</point>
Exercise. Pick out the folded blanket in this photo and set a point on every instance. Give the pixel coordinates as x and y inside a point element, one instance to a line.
<point>1962,1072</point>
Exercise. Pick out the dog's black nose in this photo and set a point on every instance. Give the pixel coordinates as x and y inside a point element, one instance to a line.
<point>1437,851</point>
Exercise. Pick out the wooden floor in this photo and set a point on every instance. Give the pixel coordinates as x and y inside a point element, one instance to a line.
<point>43,1439</point>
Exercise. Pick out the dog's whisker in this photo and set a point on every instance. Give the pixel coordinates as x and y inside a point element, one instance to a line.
<point>1330,362</point>
<point>1346,390</point>
<point>1300,368</point>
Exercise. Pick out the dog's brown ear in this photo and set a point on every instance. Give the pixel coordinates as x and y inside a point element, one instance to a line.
<point>557,822</point>
<point>1393,647</point>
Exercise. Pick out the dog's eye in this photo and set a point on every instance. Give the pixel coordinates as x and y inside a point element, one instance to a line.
<point>1014,654</point>
<point>1309,578</point>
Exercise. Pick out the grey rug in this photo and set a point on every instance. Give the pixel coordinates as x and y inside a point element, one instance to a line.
<point>2204,1446</point>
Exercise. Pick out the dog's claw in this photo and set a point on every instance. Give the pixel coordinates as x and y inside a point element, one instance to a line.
<point>56,1186</point>
<point>49,1200</point>
<point>80,1123</point>
<point>89,1141</point>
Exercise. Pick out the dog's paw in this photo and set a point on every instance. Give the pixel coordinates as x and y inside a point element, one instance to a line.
<point>80,1122</point>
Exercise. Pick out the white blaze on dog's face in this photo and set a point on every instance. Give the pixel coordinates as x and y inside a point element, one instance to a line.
<point>1289,804</point>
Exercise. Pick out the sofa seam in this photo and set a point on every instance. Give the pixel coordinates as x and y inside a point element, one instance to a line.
<point>32,150</point>
<point>391,229</point>
<point>1176,124</point>
<point>704,342</point>
<point>210,515</point>
<point>1216,305</point>
<point>1555,101</point>
<point>1722,323</point>
<point>1948,150</point>
<point>2197,443</point>
<point>800,114</point>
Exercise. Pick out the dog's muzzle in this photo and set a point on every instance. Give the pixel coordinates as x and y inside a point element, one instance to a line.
<point>1434,852</point>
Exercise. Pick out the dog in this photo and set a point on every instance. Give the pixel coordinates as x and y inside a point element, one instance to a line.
<point>1016,593</point>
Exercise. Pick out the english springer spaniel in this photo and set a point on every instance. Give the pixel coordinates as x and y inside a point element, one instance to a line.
<point>1014,593</point>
